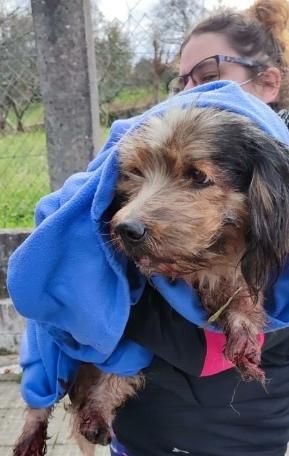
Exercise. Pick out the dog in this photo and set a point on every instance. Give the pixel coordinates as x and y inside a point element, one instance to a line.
<point>206,199</point>
<point>202,196</point>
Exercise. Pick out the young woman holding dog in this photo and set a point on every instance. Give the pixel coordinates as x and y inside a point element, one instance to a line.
<point>181,410</point>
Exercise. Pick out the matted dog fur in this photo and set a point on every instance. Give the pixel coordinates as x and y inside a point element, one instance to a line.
<point>204,197</point>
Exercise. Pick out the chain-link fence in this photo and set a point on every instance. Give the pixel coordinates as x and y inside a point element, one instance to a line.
<point>23,163</point>
<point>136,53</point>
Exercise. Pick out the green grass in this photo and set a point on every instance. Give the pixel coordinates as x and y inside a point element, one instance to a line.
<point>136,95</point>
<point>23,163</point>
<point>23,177</point>
<point>33,115</point>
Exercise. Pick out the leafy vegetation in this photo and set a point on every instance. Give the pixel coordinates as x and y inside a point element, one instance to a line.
<point>23,177</point>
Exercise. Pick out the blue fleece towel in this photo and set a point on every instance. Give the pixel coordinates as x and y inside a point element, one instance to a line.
<point>76,290</point>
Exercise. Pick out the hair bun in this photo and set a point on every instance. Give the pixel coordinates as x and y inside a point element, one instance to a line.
<point>273,14</point>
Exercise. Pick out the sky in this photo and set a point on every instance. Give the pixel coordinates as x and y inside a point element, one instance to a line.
<point>119,8</point>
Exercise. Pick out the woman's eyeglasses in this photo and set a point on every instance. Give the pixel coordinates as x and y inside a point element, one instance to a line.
<point>208,70</point>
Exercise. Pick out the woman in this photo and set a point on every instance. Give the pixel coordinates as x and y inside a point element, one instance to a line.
<point>180,411</point>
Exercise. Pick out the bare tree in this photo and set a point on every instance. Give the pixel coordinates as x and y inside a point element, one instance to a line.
<point>170,21</point>
<point>174,18</point>
<point>159,65</point>
<point>19,82</point>
<point>113,59</point>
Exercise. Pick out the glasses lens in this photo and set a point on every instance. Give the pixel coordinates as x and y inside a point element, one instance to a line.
<point>176,85</point>
<point>206,71</point>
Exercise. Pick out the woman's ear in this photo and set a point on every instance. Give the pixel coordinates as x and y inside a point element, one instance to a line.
<point>268,85</point>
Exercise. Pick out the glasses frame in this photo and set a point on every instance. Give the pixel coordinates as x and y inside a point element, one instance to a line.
<point>244,61</point>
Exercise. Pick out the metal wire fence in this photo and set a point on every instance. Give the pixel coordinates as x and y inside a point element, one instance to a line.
<point>23,162</point>
<point>135,56</point>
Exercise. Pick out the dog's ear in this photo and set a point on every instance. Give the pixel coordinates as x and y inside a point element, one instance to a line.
<point>267,237</point>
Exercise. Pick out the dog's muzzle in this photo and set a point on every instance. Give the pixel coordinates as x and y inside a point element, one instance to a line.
<point>131,231</point>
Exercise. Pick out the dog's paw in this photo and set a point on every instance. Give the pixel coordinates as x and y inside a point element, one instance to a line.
<point>33,444</point>
<point>94,428</point>
<point>244,351</point>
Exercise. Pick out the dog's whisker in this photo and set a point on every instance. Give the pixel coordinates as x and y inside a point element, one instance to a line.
<point>108,242</point>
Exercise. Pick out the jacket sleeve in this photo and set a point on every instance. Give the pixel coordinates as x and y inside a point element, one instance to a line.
<point>197,351</point>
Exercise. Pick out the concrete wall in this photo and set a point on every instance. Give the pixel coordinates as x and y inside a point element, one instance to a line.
<point>11,324</point>
<point>11,328</point>
<point>9,241</point>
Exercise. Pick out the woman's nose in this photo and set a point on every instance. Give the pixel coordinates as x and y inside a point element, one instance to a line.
<point>190,84</point>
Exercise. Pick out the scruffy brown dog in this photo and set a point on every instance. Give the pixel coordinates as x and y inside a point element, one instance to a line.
<point>204,197</point>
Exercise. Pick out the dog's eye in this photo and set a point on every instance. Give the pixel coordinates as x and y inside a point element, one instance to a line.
<point>199,178</point>
<point>131,173</point>
<point>134,172</point>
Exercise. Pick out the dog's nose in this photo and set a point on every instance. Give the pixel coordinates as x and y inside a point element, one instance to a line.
<point>131,230</point>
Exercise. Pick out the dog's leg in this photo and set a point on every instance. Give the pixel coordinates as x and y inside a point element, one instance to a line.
<point>86,448</point>
<point>95,398</point>
<point>32,441</point>
<point>98,413</point>
<point>243,322</point>
<point>88,424</point>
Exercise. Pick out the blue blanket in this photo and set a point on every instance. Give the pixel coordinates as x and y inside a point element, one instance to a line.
<point>75,290</point>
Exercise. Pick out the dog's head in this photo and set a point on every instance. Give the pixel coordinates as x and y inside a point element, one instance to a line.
<point>201,186</point>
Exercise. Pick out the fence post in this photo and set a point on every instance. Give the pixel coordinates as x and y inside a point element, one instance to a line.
<point>67,69</point>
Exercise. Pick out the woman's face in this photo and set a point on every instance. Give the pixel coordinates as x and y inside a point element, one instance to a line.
<point>206,45</point>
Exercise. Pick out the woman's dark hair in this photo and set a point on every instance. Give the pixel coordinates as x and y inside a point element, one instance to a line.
<point>261,30</point>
